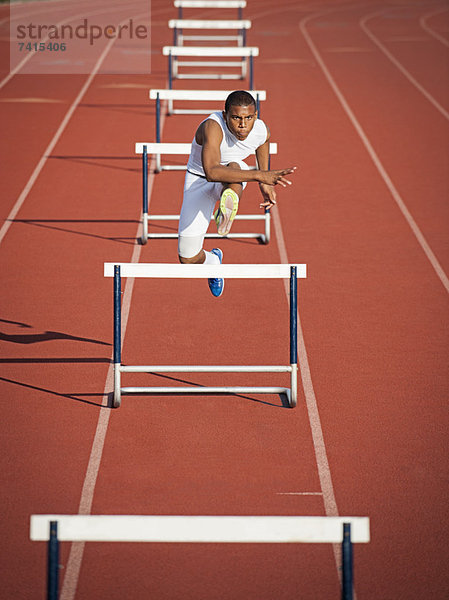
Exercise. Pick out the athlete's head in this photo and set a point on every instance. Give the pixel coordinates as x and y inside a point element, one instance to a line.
<point>240,113</point>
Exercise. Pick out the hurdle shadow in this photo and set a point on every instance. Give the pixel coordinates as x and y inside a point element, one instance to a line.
<point>54,361</point>
<point>76,396</point>
<point>283,398</point>
<point>51,224</point>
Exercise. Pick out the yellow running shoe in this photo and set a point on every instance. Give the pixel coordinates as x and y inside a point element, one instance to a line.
<point>225,213</point>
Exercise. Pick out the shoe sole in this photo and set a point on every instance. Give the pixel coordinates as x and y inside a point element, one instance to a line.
<point>222,290</point>
<point>225,214</point>
<point>220,256</point>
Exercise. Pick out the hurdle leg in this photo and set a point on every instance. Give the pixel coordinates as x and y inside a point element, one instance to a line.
<point>144,237</point>
<point>251,71</point>
<point>170,74</point>
<point>244,69</point>
<point>158,118</point>
<point>267,222</point>
<point>346,589</point>
<point>53,562</point>
<point>117,335</point>
<point>158,167</point>
<point>293,337</point>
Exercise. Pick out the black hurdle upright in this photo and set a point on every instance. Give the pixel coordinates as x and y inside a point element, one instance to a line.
<point>145,180</point>
<point>117,316</point>
<point>53,562</point>
<point>347,563</point>
<point>293,317</point>
<point>170,72</point>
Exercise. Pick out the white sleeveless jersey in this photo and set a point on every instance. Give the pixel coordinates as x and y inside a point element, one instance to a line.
<point>231,149</point>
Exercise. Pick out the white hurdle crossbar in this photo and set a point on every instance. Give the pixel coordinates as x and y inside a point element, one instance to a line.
<point>238,4</point>
<point>244,53</point>
<point>199,529</point>
<point>193,96</point>
<point>228,271</point>
<point>179,25</point>
<point>159,149</point>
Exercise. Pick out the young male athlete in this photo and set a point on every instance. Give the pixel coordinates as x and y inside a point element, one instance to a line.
<point>216,172</point>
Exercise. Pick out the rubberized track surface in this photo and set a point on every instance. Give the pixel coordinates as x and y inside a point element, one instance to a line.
<point>358,98</point>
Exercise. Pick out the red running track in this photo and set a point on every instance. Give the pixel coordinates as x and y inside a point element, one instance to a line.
<point>358,98</point>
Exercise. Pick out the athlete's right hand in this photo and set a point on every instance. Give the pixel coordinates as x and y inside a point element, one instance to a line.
<point>276,177</point>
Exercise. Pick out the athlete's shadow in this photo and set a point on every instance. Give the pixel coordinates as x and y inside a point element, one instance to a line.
<point>44,336</point>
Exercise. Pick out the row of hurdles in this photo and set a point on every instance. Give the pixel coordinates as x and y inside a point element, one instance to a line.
<point>165,99</point>
<point>182,528</point>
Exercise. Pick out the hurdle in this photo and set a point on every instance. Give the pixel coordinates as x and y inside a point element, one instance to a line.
<point>54,529</point>
<point>179,25</point>
<point>244,53</point>
<point>193,96</point>
<point>203,271</point>
<point>238,4</point>
<point>159,149</point>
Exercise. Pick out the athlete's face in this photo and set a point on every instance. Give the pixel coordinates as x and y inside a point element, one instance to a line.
<point>240,120</point>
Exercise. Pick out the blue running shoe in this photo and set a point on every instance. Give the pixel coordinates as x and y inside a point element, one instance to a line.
<point>216,284</point>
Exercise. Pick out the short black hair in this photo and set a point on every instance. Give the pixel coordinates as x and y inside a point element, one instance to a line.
<point>239,98</point>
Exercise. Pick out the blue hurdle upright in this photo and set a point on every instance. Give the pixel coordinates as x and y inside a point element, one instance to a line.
<point>199,529</point>
<point>227,271</point>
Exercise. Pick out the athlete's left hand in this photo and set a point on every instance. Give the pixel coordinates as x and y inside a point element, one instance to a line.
<point>268,194</point>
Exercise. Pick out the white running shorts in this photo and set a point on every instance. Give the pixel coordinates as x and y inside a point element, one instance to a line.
<point>200,197</point>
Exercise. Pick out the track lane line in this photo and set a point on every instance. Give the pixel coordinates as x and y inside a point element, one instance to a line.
<point>28,57</point>
<point>397,64</point>
<point>423,23</point>
<point>75,559</point>
<point>374,157</point>
<point>49,149</point>
<point>322,462</point>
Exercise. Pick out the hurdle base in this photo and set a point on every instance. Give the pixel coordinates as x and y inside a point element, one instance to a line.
<point>283,393</point>
<point>264,238</point>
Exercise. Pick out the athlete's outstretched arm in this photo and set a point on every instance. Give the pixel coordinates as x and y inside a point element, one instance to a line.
<point>267,190</point>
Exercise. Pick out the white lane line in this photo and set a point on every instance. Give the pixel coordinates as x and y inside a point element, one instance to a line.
<point>324,473</point>
<point>49,149</point>
<point>31,100</point>
<point>376,160</point>
<point>423,23</point>
<point>75,559</point>
<point>30,55</point>
<point>46,154</point>
<point>398,65</point>
<point>330,504</point>
<point>15,17</point>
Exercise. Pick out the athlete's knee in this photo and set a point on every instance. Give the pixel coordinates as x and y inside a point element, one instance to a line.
<point>190,249</point>
<point>192,260</point>
<point>234,165</point>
